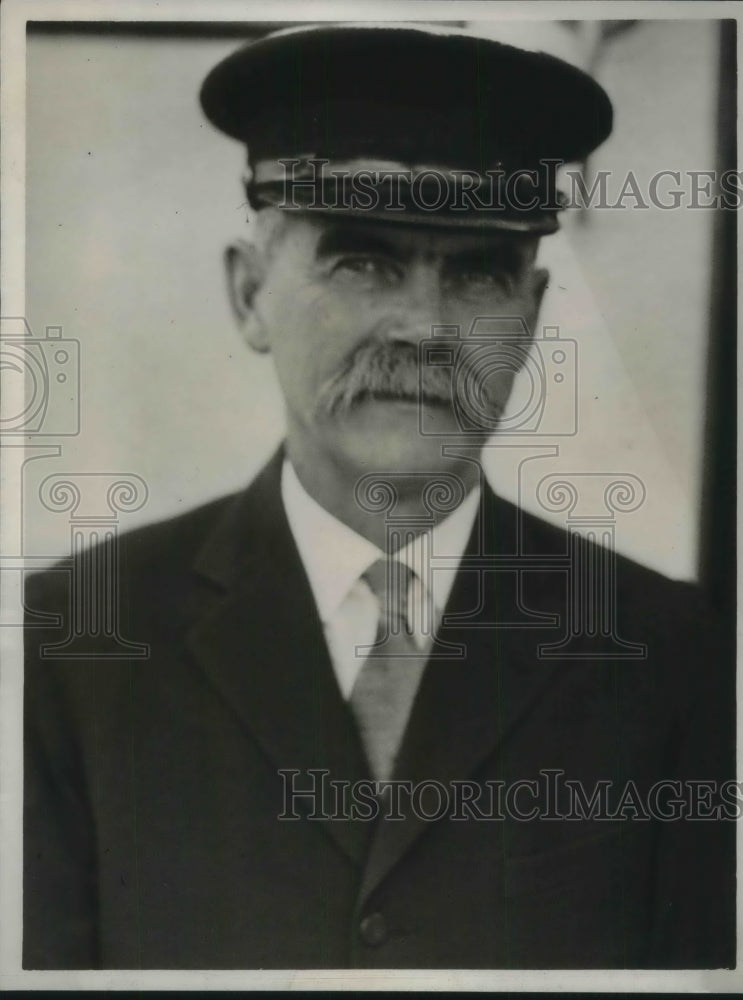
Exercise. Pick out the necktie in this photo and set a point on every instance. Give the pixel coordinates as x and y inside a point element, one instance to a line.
<point>385,688</point>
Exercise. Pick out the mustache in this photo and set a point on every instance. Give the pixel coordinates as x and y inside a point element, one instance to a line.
<point>392,369</point>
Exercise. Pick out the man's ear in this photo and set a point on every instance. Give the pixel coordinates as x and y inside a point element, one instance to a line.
<point>246,270</point>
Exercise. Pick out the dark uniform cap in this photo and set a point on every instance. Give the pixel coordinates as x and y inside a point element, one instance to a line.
<point>437,104</point>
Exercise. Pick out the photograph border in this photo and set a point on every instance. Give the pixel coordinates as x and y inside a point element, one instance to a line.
<point>14,16</point>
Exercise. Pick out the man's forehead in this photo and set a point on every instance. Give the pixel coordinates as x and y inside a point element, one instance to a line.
<point>350,232</point>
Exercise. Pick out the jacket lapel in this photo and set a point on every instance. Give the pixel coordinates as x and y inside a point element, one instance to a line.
<point>468,707</point>
<point>259,640</point>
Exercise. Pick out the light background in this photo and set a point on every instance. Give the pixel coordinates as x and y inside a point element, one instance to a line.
<point>131,197</point>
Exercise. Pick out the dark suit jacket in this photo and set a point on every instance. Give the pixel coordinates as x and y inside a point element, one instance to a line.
<point>152,791</point>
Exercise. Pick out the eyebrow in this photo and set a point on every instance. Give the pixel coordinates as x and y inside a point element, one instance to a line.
<point>505,256</point>
<point>345,239</point>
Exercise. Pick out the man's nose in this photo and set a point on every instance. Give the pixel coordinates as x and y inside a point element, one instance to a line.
<point>420,305</point>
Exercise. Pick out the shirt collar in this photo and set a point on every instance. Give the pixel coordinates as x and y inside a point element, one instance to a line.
<point>335,556</point>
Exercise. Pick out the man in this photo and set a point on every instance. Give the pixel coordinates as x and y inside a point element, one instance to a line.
<point>366,629</point>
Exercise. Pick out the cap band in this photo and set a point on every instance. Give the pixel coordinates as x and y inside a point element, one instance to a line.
<point>524,200</point>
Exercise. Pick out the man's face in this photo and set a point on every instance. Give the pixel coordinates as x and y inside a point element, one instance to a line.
<point>343,307</point>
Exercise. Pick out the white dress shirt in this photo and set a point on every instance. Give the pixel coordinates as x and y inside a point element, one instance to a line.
<point>335,557</point>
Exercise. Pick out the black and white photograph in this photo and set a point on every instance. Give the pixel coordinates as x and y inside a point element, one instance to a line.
<point>369,528</point>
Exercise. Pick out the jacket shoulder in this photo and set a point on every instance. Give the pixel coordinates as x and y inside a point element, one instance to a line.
<point>167,546</point>
<point>544,537</point>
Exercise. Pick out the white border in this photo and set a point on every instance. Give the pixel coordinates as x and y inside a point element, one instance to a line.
<point>14,15</point>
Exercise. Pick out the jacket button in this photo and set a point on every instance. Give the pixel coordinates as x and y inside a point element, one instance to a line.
<point>373,929</point>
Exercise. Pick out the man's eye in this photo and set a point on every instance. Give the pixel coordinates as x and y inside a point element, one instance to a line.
<point>366,268</point>
<point>481,281</point>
